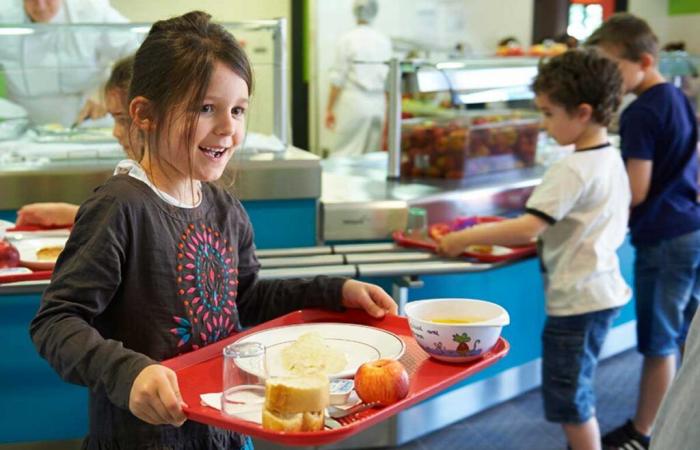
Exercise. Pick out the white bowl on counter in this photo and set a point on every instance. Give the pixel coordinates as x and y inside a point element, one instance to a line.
<point>476,330</point>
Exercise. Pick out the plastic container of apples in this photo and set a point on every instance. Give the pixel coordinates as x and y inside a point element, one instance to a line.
<point>469,143</point>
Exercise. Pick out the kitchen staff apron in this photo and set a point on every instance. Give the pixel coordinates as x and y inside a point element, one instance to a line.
<point>359,120</point>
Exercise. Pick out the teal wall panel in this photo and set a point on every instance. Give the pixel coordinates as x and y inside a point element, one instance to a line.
<point>37,404</point>
<point>283,223</point>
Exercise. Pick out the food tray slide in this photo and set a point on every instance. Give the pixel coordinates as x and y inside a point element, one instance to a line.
<point>440,229</point>
<point>200,372</point>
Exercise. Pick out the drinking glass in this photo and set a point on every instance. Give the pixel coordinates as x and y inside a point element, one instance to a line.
<point>417,223</point>
<point>244,376</point>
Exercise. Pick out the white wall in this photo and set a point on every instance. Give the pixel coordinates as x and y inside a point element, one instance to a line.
<point>684,27</point>
<point>480,24</point>
<point>257,45</point>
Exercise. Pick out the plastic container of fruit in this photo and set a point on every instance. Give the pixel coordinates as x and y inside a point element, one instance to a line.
<point>468,143</point>
<point>199,372</point>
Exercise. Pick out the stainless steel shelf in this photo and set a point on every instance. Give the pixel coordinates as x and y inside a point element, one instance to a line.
<point>291,174</point>
<point>359,203</point>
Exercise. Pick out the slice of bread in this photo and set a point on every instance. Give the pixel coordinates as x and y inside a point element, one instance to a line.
<point>297,394</point>
<point>313,420</point>
<point>292,422</point>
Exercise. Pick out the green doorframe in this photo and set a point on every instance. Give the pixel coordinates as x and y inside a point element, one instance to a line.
<point>300,29</point>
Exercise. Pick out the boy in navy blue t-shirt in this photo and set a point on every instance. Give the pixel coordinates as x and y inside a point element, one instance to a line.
<point>659,143</point>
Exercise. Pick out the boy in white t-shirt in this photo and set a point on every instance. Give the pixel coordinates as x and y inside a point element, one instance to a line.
<point>579,215</point>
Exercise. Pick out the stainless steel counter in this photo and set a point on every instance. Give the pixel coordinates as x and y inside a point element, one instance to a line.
<point>26,178</point>
<point>359,203</point>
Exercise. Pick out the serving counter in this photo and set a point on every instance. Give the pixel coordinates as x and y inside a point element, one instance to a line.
<point>269,183</point>
<point>359,204</point>
<point>358,210</point>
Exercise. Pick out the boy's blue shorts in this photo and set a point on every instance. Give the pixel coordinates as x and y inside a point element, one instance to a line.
<point>667,288</point>
<point>570,348</point>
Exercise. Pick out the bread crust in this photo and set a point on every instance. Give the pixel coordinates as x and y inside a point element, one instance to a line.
<point>293,422</point>
<point>297,394</point>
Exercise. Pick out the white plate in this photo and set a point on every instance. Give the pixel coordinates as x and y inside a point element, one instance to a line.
<point>359,343</point>
<point>496,250</point>
<point>28,247</point>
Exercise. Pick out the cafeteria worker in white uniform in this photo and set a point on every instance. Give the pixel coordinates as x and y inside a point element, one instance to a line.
<point>357,100</point>
<point>56,74</point>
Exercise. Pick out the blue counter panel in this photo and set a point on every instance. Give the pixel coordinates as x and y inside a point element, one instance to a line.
<point>38,405</point>
<point>518,288</point>
<point>277,223</point>
<point>283,223</point>
<point>8,215</point>
<point>44,408</point>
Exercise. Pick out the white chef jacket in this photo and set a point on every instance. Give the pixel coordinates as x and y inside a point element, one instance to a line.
<point>362,102</point>
<point>52,72</point>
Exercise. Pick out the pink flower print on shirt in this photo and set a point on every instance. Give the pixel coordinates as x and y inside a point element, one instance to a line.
<point>207,284</point>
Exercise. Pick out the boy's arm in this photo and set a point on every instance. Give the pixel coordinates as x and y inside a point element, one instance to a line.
<point>513,232</point>
<point>639,131</point>
<point>639,173</point>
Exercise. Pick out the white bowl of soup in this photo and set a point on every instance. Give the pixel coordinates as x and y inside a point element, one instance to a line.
<point>456,329</point>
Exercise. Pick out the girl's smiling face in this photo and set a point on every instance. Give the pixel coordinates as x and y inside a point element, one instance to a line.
<point>220,129</point>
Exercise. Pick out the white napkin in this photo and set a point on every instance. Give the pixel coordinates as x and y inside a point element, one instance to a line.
<point>250,408</point>
<point>252,402</point>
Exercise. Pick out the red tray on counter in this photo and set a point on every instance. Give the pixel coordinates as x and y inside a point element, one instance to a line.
<point>32,228</point>
<point>200,372</point>
<point>440,229</point>
<point>33,276</point>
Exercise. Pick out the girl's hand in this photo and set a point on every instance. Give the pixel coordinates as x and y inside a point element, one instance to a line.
<point>47,214</point>
<point>451,245</point>
<point>155,397</point>
<point>369,297</point>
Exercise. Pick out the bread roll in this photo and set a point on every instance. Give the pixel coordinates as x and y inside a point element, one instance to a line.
<point>292,422</point>
<point>297,394</point>
<point>295,404</point>
<point>282,422</point>
<point>313,420</point>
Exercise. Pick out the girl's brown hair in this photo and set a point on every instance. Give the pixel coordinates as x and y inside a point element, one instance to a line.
<point>173,68</point>
<point>121,75</point>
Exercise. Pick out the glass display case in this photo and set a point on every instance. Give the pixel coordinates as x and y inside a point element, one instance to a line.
<point>485,122</point>
<point>469,143</point>
<point>49,71</point>
<point>681,69</point>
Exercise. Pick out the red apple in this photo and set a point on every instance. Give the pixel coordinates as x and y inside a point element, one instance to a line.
<point>9,256</point>
<point>384,381</point>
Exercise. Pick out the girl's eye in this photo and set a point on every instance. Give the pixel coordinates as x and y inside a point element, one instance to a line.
<point>238,111</point>
<point>207,108</point>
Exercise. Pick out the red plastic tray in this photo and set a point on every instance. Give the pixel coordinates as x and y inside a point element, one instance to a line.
<point>29,228</point>
<point>40,275</point>
<point>440,229</point>
<point>199,372</point>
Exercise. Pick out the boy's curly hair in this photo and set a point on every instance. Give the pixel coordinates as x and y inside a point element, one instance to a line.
<point>628,33</point>
<point>581,76</point>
